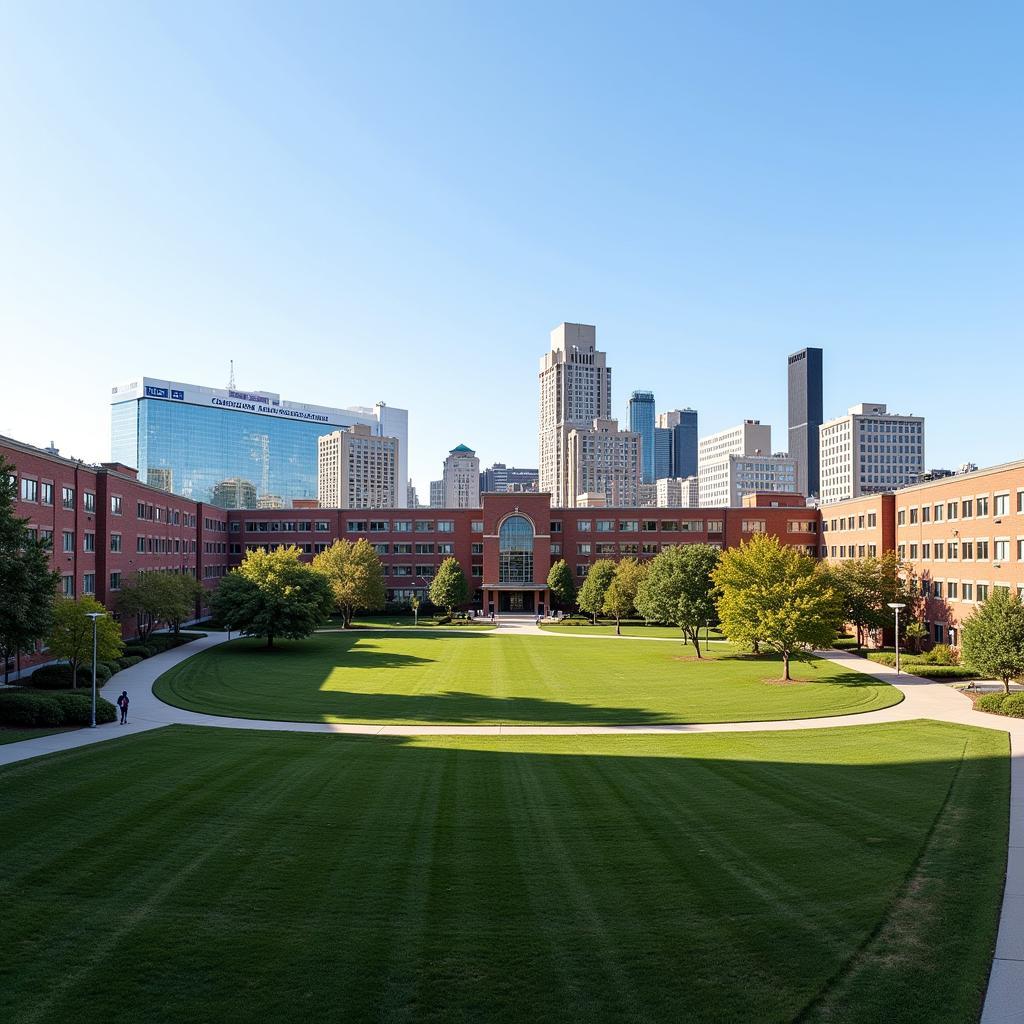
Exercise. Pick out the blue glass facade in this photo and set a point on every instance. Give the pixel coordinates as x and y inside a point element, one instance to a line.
<point>684,444</point>
<point>641,421</point>
<point>190,450</point>
<point>663,452</point>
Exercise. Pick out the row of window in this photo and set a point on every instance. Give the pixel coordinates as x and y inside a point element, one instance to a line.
<point>965,550</point>
<point>963,508</point>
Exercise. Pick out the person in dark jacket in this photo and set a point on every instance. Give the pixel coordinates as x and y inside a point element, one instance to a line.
<point>122,703</point>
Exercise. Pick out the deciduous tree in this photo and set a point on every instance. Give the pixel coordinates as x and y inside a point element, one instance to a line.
<point>448,589</point>
<point>273,594</point>
<point>595,586</point>
<point>678,589</point>
<point>71,634</point>
<point>775,597</point>
<point>562,585</point>
<point>355,575</point>
<point>992,638</point>
<point>866,587</point>
<point>620,597</point>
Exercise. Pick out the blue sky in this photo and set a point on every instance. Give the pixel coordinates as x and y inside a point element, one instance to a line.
<point>364,202</point>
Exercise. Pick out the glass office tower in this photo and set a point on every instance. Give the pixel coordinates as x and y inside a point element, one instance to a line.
<point>641,421</point>
<point>205,443</point>
<point>805,417</point>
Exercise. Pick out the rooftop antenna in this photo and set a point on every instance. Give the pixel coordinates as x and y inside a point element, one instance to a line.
<point>231,379</point>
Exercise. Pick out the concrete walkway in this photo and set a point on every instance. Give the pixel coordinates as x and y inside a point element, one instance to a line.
<point>1004,1002</point>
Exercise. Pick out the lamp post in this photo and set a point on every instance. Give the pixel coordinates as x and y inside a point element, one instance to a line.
<point>94,616</point>
<point>897,608</point>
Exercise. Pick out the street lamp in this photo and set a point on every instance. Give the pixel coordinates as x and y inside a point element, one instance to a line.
<point>94,616</point>
<point>897,608</point>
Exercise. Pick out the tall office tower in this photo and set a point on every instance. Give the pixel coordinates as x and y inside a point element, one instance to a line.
<point>641,421</point>
<point>461,478</point>
<point>437,494</point>
<point>575,389</point>
<point>868,451</point>
<point>197,437</point>
<point>411,497</point>
<point>663,452</point>
<point>604,460</point>
<point>357,469</point>
<point>683,424</point>
<point>805,417</point>
<point>739,461</point>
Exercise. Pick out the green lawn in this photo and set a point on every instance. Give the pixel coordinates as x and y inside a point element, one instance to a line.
<point>632,628</point>
<point>491,678</point>
<point>849,875</point>
<point>14,735</point>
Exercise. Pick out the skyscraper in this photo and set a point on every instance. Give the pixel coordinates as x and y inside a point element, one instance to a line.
<point>805,417</point>
<point>461,478</point>
<point>357,469</point>
<point>575,389</point>
<point>683,424</point>
<point>641,421</point>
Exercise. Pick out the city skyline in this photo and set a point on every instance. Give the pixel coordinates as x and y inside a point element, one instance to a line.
<point>208,215</point>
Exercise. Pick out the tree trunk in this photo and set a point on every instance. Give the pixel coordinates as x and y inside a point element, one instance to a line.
<point>860,637</point>
<point>785,665</point>
<point>270,641</point>
<point>618,626</point>
<point>1006,684</point>
<point>695,637</point>
<point>74,675</point>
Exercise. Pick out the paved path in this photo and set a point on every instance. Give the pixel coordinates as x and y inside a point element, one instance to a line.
<point>1004,1002</point>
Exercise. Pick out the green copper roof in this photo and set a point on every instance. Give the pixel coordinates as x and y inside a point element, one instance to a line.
<point>463,448</point>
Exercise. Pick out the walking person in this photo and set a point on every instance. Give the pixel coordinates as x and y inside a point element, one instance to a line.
<point>122,703</point>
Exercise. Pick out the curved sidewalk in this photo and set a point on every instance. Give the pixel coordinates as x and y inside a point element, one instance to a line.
<point>1004,1002</point>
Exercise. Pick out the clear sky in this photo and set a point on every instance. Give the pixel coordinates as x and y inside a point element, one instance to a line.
<point>398,202</point>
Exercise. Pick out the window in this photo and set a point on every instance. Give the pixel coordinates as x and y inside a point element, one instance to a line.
<point>322,526</point>
<point>582,570</point>
<point>583,525</point>
<point>966,508</point>
<point>381,549</point>
<point>951,507</point>
<point>115,581</point>
<point>401,526</point>
<point>937,589</point>
<point>477,549</point>
<point>424,525</point>
<point>68,541</point>
<point>556,526</point>
<point>115,542</point>
<point>446,548</point>
<point>140,545</point>
<point>926,513</point>
<point>938,513</point>
<point>115,504</point>
<point>968,591</point>
<point>476,526</point>
<point>629,525</point>
<point>89,501</point>
<point>356,526</point>
<point>556,547</point>
<point>89,583</point>
<point>424,549</point>
<point>715,525</point>
<point>1001,550</point>
<point>378,526</point>
<point>951,589</point>
<point>67,586</point>
<point>515,550</point>
<point>967,549</point>
<point>982,506</point>
<point>753,526</point>
<point>913,552</point>
<point>982,591</point>
<point>913,516</point>
<point>605,525</point>
<point>67,497</point>
<point>426,571</point>
<point>46,493</point>
<point>901,517</point>
<point>29,489</point>
<point>403,549</point>
<point>446,526</point>
<point>1001,505</point>
<point>582,549</point>
<point>981,550</point>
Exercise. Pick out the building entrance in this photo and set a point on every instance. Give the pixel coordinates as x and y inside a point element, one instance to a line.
<point>515,601</point>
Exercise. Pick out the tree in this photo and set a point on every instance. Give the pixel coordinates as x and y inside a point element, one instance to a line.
<point>27,584</point>
<point>448,590</point>
<point>355,575</point>
<point>595,586</point>
<point>678,589</point>
<point>156,597</point>
<point>776,597</point>
<point>866,587</point>
<point>71,634</point>
<point>992,638</point>
<point>620,597</point>
<point>916,633</point>
<point>562,585</point>
<point>273,594</point>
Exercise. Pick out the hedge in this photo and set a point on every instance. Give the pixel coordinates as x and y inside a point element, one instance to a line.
<point>58,677</point>
<point>26,709</point>
<point>129,660</point>
<point>992,702</point>
<point>1014,705</point>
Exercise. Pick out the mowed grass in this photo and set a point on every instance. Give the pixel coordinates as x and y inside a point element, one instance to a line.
<point>14,735</point>
<point>845,875</point>
<point>411,677</point>
<point>408,622</point>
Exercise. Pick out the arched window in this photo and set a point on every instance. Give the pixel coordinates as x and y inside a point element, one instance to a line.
<point>515,550</point>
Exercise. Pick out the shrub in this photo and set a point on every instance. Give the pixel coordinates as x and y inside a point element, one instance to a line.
<point>113,667</point>
<point>992,702</point>
<point>26,710</point>
<point>129,660</point>
<point>885,658</point>
<point>940,671</point>
<point>103,674</point>
<point>443,620</point>
<point>1013,705</point>
<point>139,650</point>
<point>942,654</point>
<point>51,677</point>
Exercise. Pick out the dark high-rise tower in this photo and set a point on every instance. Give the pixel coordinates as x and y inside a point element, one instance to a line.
<point>805,416</point>
<point>641,420</point>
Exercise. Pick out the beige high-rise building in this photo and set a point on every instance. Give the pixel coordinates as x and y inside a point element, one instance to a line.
<point>604,460</point>
<point>869,451</point>
<point>575,390</point>
<point>357,469</point>
<point>461,478</point>
<point>739,461</point>
<point>678,492</point>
